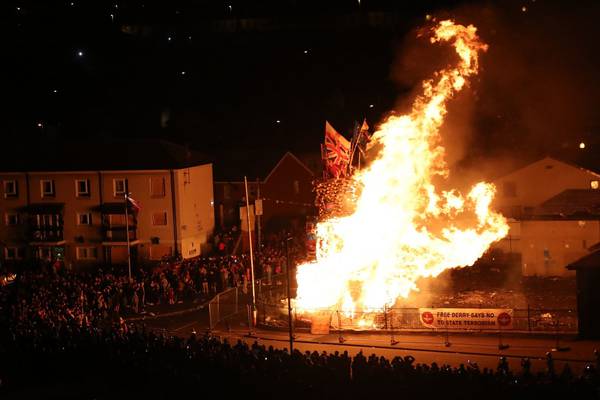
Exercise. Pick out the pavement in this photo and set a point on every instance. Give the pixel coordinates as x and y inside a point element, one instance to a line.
<point>167,310</point>
<point>453,349</point>
<point>428,348</point>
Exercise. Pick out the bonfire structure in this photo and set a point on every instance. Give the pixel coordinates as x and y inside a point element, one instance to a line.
<point>383,223</point>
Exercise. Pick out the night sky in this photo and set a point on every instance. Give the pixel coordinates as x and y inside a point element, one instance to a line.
<point>230,77</point>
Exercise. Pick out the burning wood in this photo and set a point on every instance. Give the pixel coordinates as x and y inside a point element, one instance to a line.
<point>403,228</point>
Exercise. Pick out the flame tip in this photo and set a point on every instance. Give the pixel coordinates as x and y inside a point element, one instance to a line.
<point>403,228</point>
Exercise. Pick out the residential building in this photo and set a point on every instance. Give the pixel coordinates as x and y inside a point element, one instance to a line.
<point>519,192</point>
<point>74,209</point>
<point>285,187</point>
<point>553,210</point>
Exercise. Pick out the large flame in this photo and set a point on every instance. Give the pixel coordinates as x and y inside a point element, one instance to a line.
<point>404,228</point>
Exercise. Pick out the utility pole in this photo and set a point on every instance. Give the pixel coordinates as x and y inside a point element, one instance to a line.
<point>289,300</point>
<point>127,233</point>
<point>258,215</point>
<point>251,253</point>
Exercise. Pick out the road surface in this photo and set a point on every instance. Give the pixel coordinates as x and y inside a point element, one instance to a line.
<point>426,348</point>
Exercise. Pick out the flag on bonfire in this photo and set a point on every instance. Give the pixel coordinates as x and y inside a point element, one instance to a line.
<point>135,205</point>
<point>364,132</point>
<point>360,138</point>
<point>337,152</point>
<point>364,137</point>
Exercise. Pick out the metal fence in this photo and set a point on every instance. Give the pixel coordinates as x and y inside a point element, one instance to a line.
<point>397,319</point>
<point>226,305</point>
<point>233,303</point>
<point>526,320</point>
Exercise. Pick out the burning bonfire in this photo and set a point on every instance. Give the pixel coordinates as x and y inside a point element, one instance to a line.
<point>403,227</point>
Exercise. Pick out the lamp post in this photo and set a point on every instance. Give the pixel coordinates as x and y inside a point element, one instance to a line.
<point>289,300</point>
<point>127,233</point>
<point>251,253</point>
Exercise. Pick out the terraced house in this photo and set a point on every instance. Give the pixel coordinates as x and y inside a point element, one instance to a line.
<point>68,203</point>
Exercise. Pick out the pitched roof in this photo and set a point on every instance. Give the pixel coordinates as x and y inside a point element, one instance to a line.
<point>591,260</point>
<point>134,154</point>
<point>235,165</point>
<point>546,159</point>
<point>572,201</point>
<point>293,157</point>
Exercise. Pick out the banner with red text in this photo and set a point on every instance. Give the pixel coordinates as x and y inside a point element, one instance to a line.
<point>466,318</point>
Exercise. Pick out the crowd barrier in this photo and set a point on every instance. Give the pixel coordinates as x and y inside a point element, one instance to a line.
<point>271,311</point>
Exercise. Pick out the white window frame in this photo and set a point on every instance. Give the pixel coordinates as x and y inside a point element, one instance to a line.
<point>52,193</point>
<point>166,218</point>
<point>14,192</point>
<point>7,218</point>
<point>89,219</point>
<point>16,256</point>
<point>52,221</point>
<point>87,188</point>
<point>119,193</point>
<point>87,253</point>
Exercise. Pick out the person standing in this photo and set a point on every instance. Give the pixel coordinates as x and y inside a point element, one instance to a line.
<point>135,302</point>
<point>224,274</point>
<point>269,272</point>
<point>204,281</point>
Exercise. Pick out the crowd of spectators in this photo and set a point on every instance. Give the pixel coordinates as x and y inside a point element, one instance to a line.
<point>122,360</point>
<point>95,296</point>
<point>64,335</point>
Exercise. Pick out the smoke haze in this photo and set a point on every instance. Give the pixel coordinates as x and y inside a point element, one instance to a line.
<point>537,93</point>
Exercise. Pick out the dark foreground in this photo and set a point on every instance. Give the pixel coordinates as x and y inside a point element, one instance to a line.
<point>57,342</point>
<point>132,363</point>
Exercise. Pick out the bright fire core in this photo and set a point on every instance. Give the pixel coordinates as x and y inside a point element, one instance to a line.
<point>404,228</point>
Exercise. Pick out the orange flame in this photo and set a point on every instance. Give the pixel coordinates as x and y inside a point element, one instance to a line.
<point>403,228</point>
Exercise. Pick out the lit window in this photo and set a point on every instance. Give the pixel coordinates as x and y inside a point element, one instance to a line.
<point>84,219</point>
<point>159,218</point>
<point>594,184</point>
<point>82,187</point>
<point>47,186</point>
<point>120,187</point>
<point>12,219</point>
<point>10,189</point>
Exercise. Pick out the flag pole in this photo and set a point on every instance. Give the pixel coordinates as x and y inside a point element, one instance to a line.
<point>258,227</point>
<point>251,254</point>
<point>324,163</point>
<point>353,145</point>
<point>127,233</point>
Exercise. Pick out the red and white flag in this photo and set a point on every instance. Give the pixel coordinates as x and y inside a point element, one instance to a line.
<point>135,205</point>
<point>337,151</point>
